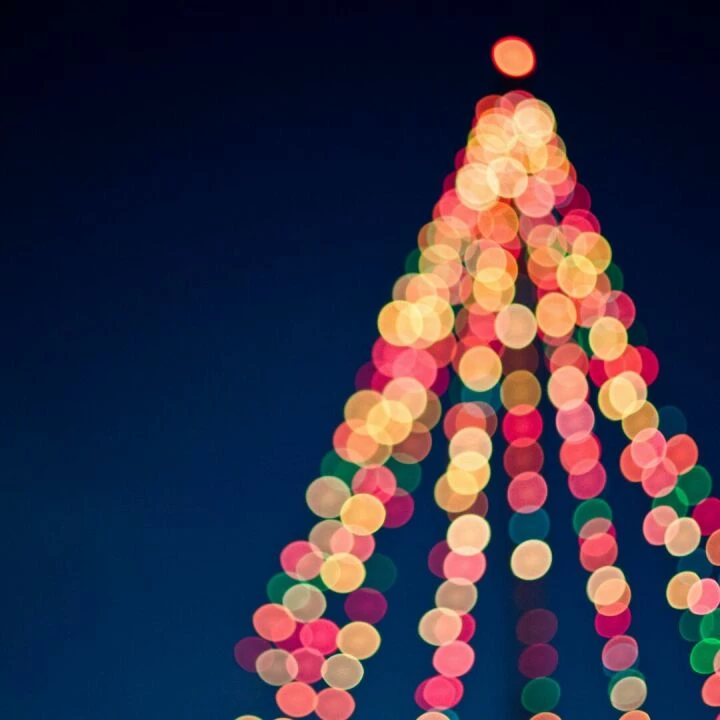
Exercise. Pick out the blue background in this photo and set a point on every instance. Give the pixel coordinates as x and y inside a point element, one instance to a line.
<point>203,209</point>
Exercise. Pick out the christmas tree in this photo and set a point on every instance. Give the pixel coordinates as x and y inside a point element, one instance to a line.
<point>511,300</point>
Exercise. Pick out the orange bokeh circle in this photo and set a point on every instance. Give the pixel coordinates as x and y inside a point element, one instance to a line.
<point>513,56</point>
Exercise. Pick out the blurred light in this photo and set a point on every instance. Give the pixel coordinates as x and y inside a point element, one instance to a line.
<point>513,56</point>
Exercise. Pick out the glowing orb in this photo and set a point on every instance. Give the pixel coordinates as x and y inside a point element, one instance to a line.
<point>513,56</point>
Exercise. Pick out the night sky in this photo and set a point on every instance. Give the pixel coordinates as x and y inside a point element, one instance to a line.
<point>203,210</point>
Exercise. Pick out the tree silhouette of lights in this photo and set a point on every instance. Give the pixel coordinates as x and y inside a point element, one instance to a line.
<point>510,275</point>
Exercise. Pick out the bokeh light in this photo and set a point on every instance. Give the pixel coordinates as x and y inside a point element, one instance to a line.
<point>513,57</point>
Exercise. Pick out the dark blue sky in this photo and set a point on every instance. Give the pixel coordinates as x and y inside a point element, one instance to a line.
<point>203,209</point>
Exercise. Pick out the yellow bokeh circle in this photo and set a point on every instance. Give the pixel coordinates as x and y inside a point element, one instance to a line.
<point>400,323</point>
<point>362,514</point>
<point>531,560</point>
<point>576,276</point>
<point>608,338</point>
<point>468,534</point>
<point>679,587</point>
<point>342,671</point>
<point>305,602</point>
<point>515,326</point>
<point>480,368</point>
<point>343,573</point>
<point>629,693</point>
<point>556,314</point>
<point>359,640</point>
<point>473,186</point>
